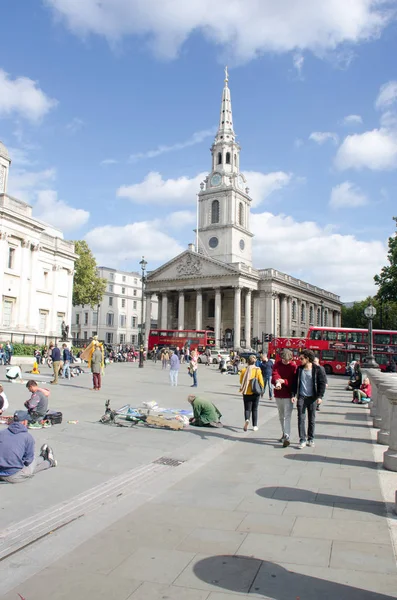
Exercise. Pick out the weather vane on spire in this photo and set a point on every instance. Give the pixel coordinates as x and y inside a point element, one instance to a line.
<point>226,75</point>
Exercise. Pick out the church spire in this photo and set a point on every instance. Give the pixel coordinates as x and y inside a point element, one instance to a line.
<point>225,129</point>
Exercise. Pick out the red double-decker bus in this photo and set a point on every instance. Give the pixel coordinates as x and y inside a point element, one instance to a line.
<point>336,347</point>
<point>294,344</point>
<point>172,338</point>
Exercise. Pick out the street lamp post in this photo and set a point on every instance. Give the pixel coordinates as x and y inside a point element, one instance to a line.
<point>369,360</point>
<point>143,264</point>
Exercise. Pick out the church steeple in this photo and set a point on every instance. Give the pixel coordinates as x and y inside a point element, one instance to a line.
<point>225,129</point>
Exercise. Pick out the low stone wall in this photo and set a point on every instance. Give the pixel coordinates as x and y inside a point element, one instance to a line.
<point>22,360</point>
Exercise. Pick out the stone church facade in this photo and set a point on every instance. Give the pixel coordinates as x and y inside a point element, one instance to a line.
<point>213,283</point>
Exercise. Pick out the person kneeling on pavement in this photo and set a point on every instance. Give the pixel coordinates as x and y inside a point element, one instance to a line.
<point>363,395</point>
<point>17,460</point>
<point>205,413</point>
<point>37,405</point>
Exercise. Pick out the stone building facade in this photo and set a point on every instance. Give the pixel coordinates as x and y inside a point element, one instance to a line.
<point>213,283</point>
<point>36,273</point>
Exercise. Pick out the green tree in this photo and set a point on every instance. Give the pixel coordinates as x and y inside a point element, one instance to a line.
<point>387,280</point>
<point>88,287</point>
<point>385,318</point>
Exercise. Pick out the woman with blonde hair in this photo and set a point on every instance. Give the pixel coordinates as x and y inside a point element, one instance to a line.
<point>251,395</point>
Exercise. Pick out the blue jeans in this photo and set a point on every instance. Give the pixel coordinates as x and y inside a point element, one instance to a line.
<point>174,377</point>
<point>66,368</point>
<point>268,381</point>
<point>195,378</point>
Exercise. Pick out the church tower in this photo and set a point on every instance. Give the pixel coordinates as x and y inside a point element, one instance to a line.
<point>224,203</point>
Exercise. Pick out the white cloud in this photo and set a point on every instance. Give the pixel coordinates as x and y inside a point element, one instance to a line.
<point>109,161</point>
<point>298,59</point>
<point>24,184</point>
<point>387,95</point>
<point>352,120</point>
<point>347,195</point>
<point>245,28</point>
<point>339,263</point>
<point>261,185</point>
<point>57,213</point>
<point>320,137</point>
<point>75,125</point>
<point>179,219</point>
<point>133,240</point>
<point>22,97</point>
<point>375,150</point>
<point>196,138</point>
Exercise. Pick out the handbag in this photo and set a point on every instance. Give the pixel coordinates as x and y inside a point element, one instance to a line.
<point>256,386</point>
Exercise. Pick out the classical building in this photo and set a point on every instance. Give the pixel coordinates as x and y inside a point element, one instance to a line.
<point>213,283</point>
<point>117,320</point>
<point>36,276</point>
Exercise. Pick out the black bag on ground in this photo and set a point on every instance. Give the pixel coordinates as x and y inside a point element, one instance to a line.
<point>54,417</point>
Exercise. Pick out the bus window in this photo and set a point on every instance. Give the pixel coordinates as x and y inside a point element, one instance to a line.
<point>394,340</point>
<point>200,335</point>
<point>381,338</point>
<point>330,336</point>
<point>382,359</point>
<point>328,355</point>
<point>163,333</point>
<point>365,338</point>
<point>315,334</point>
<point>182,334</point>
<point>354,336</point>
<point>153,332</point>
<point>340,356</point>
<point>341,336</point>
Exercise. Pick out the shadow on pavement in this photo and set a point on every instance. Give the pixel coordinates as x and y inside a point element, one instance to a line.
<point>341,437</point>
<point>290,494</point>
<point>342,423</point>
<point>351,462</point>
<point>246,574</point>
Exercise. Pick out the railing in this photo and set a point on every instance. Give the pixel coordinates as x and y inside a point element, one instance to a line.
<point>274,274</point>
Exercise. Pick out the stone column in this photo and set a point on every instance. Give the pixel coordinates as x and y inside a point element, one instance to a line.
<point>34,284</point>
<point>218,315</point>
<point>199,309</point>
<point>148,318</point>
<point>164,311</point>
<point>247,322</point>
<point>284,317</point>
<point>237,318</point>
<point>255,322</point>
<point>390,456</point>
<point>159,302</point>
<point>23,299</point>
<point>381,386</point>
<point>53,325</point>
<point>385,413</point>
<point>276,310</point>
<point>181,310</point>
<point>376,378</point>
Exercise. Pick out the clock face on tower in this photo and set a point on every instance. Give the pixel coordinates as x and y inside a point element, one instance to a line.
<point>242,244</point>
<point>216,179</point>
<point>213,242</point>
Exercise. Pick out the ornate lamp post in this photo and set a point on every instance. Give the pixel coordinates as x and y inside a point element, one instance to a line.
<point>143,264</point>
<point>369,361</point>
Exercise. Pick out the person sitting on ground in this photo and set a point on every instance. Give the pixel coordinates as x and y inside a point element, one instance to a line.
<point>37,405</point>
<point>17,461</point>
<point>205,413</point>
<point>356,379</point>
<point>3,400</point>
<point>14,373</point>
<point>363,395</point>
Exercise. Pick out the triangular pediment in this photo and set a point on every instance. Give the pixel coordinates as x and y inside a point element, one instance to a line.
<point>190,265</point>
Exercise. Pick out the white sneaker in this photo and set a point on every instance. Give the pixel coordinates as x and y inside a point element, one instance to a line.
<point>302,445</point>
<point>311,443</point>
<point>255,428</point>
<point>246,425</point>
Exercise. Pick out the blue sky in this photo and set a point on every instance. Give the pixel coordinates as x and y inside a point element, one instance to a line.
<point>109,111</point>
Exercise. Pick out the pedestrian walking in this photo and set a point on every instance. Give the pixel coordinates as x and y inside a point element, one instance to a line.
<point>250,395</point>
<point>308,387</point>
<point>266,366</point>
<point>9,351</point>
<point>283,378</point>
<point>55,354</point>
<point>174,368</point>
<point>193,367</point>
<point>67,359</point>
<point>164,358</point>
<point>96,367</point>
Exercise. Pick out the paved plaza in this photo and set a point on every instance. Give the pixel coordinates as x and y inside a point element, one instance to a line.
<point>237,516</point>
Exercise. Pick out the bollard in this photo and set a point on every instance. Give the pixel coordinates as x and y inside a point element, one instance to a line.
<point>383,436</point>
<point>390,456</point>
<point>375,378</point>
<point>381,386</point>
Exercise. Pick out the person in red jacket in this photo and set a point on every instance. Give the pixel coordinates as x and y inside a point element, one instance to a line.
<point>282,379</point>
<point>363,395</point>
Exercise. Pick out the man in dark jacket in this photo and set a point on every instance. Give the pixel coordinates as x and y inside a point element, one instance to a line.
<point>266,366</point>
<point>17,461</point>
<point>308,387</point>
<point>56,361</point>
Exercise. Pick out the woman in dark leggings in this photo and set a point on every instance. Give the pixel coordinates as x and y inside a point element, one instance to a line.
<point>251,400</point>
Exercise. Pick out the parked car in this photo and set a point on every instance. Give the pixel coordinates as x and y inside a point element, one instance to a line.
<point>244,355</point>
<point>215,358</point>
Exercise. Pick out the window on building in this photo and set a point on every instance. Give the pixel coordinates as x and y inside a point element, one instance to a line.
<point>235,159</point>
<point>11,258</point>
<point>45,280</point>
<point>134,322</point>
<point>86,318</point>
<point>86,335</point>
<point>77,318</point>
<point>135,282</point>
<point>303,313</point>
<point>95,319</point>
<point>318,316</point>
<point>94,333</point>
<point>219,158</point>
<point>302,334</point>
<point>134,339</point>
<point>294,310</point>
<point>60,319</point>
<point>43,317</point>
<point>109,337</point>
<point>135,292</point>
<point>241,214</point>
<point>134,304</point>
<point>124,278</point>
<point>311,315</point>
<point>111,288</point>
<point>228,158</point>
<point>110,319</point>
<point>123,303</point>
<point>111,301</point>
<point>111,276</point>
<point>123,290</point>
<point>211,308</point>
<point>123,320</point>
<point>293,333</point>
<point>122,338</point>
<point>215,211</point>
